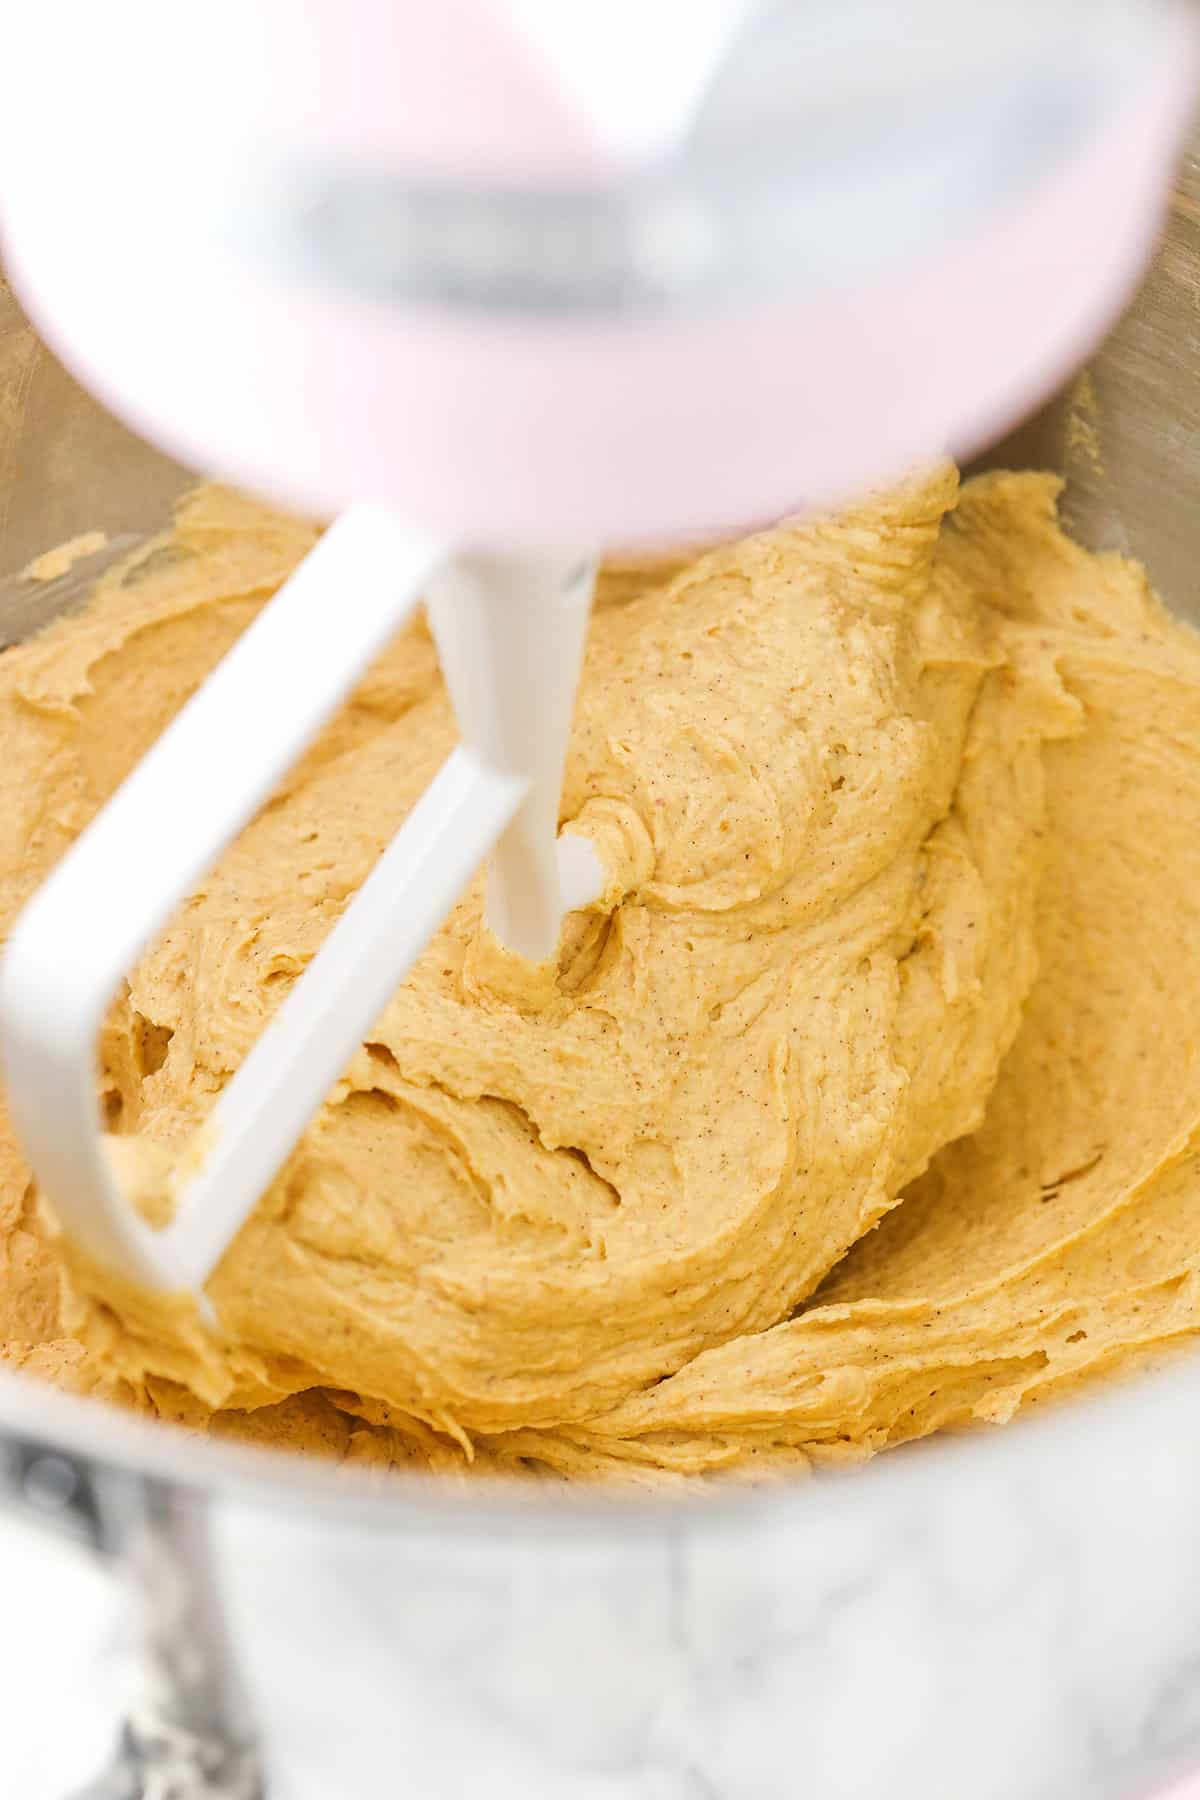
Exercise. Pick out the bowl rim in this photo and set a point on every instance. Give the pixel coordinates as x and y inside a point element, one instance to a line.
<point>1044,1445</point>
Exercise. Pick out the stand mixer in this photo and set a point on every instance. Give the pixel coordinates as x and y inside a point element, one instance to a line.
<point>458,276</point>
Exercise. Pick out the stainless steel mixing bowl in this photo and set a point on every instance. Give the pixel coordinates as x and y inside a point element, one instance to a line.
<point>1008,1616</point>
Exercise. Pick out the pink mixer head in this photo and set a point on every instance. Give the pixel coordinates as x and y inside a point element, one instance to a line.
<point>552,423</point>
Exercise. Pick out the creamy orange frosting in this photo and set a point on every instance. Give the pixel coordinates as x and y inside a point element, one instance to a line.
<point>863,1103</point>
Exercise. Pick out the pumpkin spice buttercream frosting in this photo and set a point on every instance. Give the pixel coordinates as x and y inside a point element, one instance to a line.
<point>865,1103</point>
